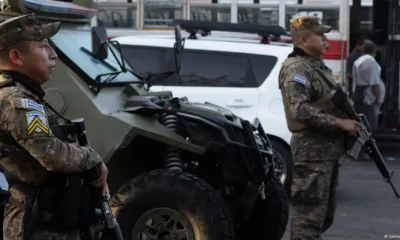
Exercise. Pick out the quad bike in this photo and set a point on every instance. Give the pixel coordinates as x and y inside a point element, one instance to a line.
<point>229,191</point>
<point>177,170</point>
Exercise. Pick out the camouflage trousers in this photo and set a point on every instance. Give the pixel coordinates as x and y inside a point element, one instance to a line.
<point>314,198</point>
<point>13,227</point>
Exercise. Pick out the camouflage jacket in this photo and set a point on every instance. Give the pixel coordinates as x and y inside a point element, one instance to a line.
<point>301,88</point>
<point>28,148</point>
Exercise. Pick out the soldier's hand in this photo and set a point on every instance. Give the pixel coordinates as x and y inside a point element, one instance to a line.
<point>348,125</point>
<point>105,191</point>
<point>102,180</point>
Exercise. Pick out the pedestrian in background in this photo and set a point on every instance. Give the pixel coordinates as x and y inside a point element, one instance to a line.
<point>368,87</point>
<point>353,56</point>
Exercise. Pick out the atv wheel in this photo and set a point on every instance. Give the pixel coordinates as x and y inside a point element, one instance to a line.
<point>171,205</point>
<point>269,217</point>
<point>284,165</point>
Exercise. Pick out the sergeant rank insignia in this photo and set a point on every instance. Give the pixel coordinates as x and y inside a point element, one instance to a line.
<point>37,123</point>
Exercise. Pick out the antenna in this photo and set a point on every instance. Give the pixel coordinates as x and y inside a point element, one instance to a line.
<point>204,28</point>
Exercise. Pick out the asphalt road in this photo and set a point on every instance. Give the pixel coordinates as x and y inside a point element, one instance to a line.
<point>367,207</point>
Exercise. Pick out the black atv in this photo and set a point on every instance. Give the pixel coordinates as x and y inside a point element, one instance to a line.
<point>229,189</point>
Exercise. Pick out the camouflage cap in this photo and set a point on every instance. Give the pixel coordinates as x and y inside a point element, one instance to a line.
<point>25,28</point>
<point>301,23</point>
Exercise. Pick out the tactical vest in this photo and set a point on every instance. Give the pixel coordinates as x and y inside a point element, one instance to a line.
<point>327,81</point>
<point>63,201</point>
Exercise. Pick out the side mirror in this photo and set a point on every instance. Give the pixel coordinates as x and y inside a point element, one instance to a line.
<point>178,47</point>
<point>178,39</point>
<point>99,43</point>
<point>178,34</point>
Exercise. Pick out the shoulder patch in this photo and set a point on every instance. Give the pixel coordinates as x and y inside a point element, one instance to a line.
<point>29,104</point>
<point>300,79</point>
<point>36,122</point>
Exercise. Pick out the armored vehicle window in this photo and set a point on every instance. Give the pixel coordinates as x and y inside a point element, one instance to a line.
<point>71,42</point>
<point>145,59</point>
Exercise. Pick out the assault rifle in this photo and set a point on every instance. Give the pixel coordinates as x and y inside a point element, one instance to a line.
<point>78,129</point>
<point>341,100</point>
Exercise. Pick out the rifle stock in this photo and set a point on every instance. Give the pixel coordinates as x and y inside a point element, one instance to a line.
<point>341,100</point>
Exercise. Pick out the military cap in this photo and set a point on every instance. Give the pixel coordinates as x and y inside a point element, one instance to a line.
<point>302,23</point>
<point>25,28</point>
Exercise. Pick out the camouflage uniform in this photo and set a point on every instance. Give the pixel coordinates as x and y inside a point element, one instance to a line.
<point>28,147</point>
<point>316,145</point>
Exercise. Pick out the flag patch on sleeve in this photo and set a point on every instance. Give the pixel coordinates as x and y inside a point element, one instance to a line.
<point>29,104</point>
<point>300,79</point>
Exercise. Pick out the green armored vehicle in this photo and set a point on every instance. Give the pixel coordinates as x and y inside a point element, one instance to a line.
<point>177,170</point>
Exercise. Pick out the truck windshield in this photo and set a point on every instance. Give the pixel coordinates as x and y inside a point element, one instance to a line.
<point>75,44</point>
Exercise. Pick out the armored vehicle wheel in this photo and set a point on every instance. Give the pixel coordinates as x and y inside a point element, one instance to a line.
<point>172,205</point>
<point>284,165</point>
<point>269,217</point>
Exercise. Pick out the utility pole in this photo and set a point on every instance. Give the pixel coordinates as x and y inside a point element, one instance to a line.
<point>214,11</point>
<point>282,13</point>
<point>256,12</point>
<point>234,11</point>
<point>129,14</point>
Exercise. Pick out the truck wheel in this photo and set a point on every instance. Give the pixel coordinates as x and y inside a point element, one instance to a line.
<point>171,205</point>
<point>269,217</point>
<point>284,164</point>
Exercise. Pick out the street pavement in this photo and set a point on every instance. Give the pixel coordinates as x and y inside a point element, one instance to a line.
<point>367,207</point>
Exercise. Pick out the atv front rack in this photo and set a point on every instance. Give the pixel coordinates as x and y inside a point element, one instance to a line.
<point>253,157</point>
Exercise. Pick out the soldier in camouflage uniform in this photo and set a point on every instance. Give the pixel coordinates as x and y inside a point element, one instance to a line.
<point>28,147</point>
<point>317,128</point>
